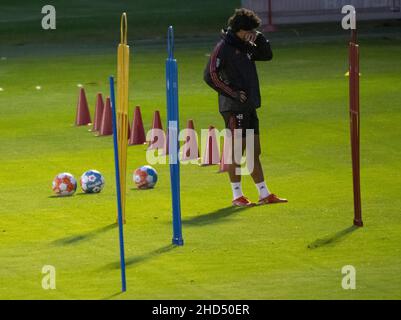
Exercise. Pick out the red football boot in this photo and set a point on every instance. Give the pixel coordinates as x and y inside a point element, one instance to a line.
<point>271,198</point>
<point>242,202</point>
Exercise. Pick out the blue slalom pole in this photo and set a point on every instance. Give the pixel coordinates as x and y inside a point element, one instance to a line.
<point>173,129</point>
<point>118,186</point>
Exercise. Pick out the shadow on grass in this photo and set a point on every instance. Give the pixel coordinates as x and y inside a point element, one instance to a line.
<point>83,237</point>
<point>87,194</point>
<point>213,217</point>
<point>130,261</point>
<point>333,238</point>
<point>113,296</point>
<point>60,197</point>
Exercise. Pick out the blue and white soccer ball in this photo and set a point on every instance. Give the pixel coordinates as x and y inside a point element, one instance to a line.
<point>92,181</point>
<point>145,177</point>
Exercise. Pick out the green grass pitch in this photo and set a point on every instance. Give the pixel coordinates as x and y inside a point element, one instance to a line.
<point>289,251</point>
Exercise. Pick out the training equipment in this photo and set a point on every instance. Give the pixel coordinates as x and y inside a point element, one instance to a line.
<point>120,133</point>
<point>137,135</point>
<point>92,181</point>
<point>118,187</point>
<point>64,184</point>
<point>211,154</point>
<point>190,150</point>
<point>355,119</point>
<point>106,126</point>
<point>173,129</point>
<point>165,151</point>
<point>98,112</point>
<point>270,27</point>
<point>154,142</point>
<point>225,154</point>
<point>122,107</point>
<point>83,117</point>
<point>145,177</point>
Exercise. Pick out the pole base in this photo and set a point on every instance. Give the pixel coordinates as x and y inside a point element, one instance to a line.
<point>358,223</point>
<point>178,241</point>
<point>270,28</point>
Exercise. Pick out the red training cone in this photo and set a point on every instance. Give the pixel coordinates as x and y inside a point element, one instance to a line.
<point>226,154</point>
<point>137,135</point>
<point>211,155</point>
<point>165,146</point>
<point>154,142</point>
<point>98,112</point>
<point>106,127</point>
<point>83,116</point>
<point>190,150</point>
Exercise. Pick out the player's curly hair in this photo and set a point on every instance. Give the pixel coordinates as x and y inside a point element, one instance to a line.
<point>243,19</point>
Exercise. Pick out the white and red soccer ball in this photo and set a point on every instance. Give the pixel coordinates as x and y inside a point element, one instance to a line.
<point>145,177</point>
<point>64,184</point>
<point>92,181</point>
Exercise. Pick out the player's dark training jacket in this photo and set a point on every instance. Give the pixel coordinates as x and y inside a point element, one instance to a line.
<point>231,68</point>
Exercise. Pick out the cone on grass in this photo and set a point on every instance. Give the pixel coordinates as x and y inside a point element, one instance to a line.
<point>98,112</point>
<point>226,154</point>
<point>211,154</point>
<point>137,135</point>
<point>83,117</point>
<point>154,143</point>
<point>190,149</point>
<point>106,127</point>
<point>165,151</point>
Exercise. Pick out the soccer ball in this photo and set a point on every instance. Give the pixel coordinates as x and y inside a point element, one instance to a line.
<point>64,184</point>
<point>145,177</point>
<point>92,181</point>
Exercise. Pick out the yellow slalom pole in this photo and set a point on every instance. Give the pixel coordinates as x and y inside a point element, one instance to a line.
<point>122,107</point>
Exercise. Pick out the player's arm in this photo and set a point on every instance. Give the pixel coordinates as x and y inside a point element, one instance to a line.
<point>213,79</point>
<point>261,49</point>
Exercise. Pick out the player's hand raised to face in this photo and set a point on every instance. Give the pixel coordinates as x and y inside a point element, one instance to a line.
<point>251,36</point>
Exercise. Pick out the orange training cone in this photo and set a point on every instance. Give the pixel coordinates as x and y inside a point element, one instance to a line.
<point>226,154</point>
<point>137,135</point>
<point>83,116</point>
<point>98,112</point>
<point>190,150</point>
<point>106,127</point>
<point>165,146</point>
<point>154,142</point>
<point>211,155</point>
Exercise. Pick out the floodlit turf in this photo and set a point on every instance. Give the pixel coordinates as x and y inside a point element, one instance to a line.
<point>293,250</point>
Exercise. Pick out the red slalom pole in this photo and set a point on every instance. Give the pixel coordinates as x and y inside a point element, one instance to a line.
<point>270,27</point>
<point>355,125</point>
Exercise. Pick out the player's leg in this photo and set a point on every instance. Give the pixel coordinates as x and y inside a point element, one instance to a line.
<point>265,197</point>
<point>233,122</point>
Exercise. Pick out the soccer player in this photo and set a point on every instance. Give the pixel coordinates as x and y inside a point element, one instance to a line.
<point>231,71</point>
